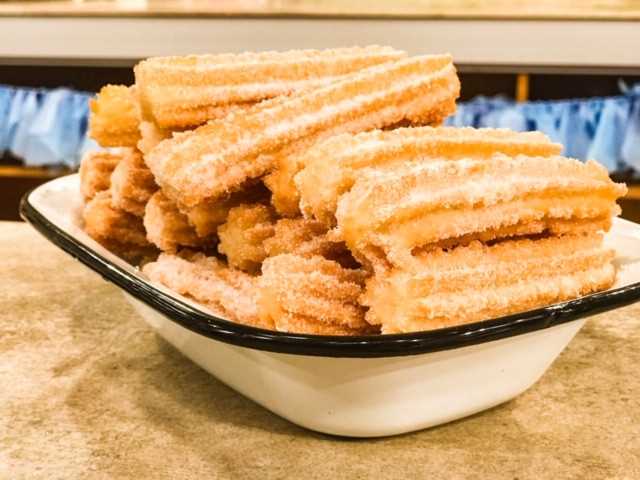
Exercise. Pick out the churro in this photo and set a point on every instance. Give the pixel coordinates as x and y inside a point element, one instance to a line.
<point>218,158</point>
<point>477,282</point>
<point>209,215</point>
<point>293,235</point>
<point>95,172</point>
<point>150,136</point>
<point>168,228</point>
<point>252,233</point>
<point>331,167</point>
<point>311,295</point>
<point>114,117</point>
<point>243,235</point>
<point>132,184</point>
<point>117,230</point>
<point>180,92</point>
<point>391,213</point>
<point>228,293</point>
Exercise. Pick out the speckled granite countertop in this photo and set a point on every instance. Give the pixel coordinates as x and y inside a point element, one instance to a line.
<point>88,391</point>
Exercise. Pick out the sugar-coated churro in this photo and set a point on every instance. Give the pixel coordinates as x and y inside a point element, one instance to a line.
<point>117,230</point>
<point>243,235</point>
<point>391,213</point>
<point>132,183</point>
<point>228,293</point>
<point>150,136</point>
<point>95,171</point>
<point>218,158</point>
<point>208,216</point>
<point>292,235</point>
<point>477,282</point>
<point>179,92</point>
<point>331,167</point>
<point>311,295</point>
<point>168,228</point>
<point>115,117</point>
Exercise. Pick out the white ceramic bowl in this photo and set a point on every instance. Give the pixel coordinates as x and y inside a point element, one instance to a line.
<point>354,386</point>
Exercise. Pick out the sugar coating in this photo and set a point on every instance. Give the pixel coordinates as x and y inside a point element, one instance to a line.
<point>393,211</point>
<point>243,234</point>
<point>117,230</point>
<point>115,117</point>
<point>226,292</point>
<point>216,158</point>
<point>96,168</point>
<point>311,295</point>
<point>331,167</point>
<point>470,283</point>
<point>132,184</point>
<point>168,228</point>
<point>179,92</point>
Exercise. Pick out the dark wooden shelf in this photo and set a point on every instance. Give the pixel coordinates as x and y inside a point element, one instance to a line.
<point>634,192</point>
<point>18,171</point>
<point>16,180</point>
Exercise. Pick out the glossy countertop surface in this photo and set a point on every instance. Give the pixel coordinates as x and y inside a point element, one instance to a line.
<point>89,391</point>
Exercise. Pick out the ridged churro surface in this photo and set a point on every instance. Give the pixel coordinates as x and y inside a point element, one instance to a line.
<point>331,167</point>
<point>209,215</point>
<point>179,92</point>
<point>117,230</point>
<point>253,232</point>
<point>132,184</point>
<point>415,205</point>
<point>96,168</point>
<point>150,136</point>
<point>292,235</point>
<point>477,282</point>
<point>243,235</point>
<point>311,295</point>
<point>115,117</point>
<point>218,158</point>
<point>168,228</point>
<point>228,293</point>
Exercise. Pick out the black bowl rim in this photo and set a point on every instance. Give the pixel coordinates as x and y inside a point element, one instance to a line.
<point>369,346</point>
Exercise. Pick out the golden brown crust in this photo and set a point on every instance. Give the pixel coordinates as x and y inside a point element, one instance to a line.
<point>218,158</point>
<point>117,230</point>
<point>150,136</point>
<point>168,228</point>
<point>132,184</point>
<point>180,92</point>
<point>114,117</point>
<point>311,295</point>
<point>476,282</point>
<point>243,235</point>
<point>228,293</point>
<point>292,235</point>
<point>208,216</point>
<point>95,172</point>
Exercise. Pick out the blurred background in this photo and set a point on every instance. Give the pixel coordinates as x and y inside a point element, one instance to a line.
<point>567,67</point>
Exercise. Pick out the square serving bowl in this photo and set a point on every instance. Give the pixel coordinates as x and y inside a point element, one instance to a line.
<point>361,386</point>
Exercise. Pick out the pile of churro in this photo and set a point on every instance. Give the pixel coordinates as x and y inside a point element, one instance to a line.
<point>317,192</point>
